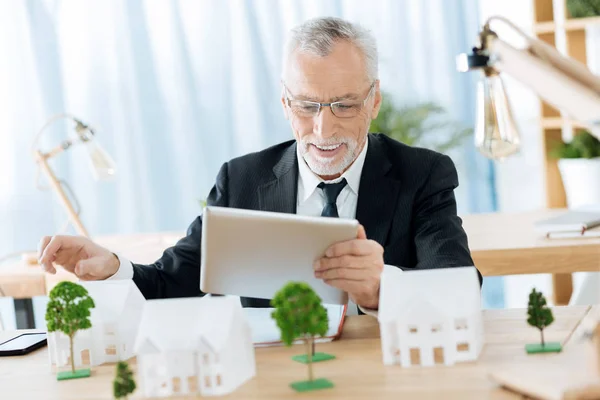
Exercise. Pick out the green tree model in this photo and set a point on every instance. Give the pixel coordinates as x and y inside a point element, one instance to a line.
<point>539,315</point>
<point>123,383</point>
<point>68,311</point>
<point>300,315</point>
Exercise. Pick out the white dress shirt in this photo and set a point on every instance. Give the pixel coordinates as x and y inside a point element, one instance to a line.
<point>310,201</point>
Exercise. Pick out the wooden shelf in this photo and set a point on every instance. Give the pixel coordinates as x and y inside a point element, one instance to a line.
<point>572,24</point>
<point>557,123</point>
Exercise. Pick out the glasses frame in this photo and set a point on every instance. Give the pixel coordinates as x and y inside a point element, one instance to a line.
<point>331,105</point>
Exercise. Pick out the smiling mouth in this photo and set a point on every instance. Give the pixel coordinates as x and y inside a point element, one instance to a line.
<point>328,148</point>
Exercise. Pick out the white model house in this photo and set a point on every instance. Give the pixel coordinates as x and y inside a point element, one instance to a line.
<point>115,321</point>
<point>430,317</point>
<point>194,346</point>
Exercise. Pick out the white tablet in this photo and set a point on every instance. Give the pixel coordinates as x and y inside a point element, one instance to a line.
<point>255,253</point>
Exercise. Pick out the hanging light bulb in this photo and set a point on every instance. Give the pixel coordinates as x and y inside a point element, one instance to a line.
<point>102,165</point>
<point>496,135</point>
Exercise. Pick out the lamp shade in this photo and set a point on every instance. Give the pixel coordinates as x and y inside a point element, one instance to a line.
<point>496,135</point>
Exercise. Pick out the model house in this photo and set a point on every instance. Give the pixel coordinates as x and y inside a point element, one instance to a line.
<point>430,317</point>
<point>194,346</point>
<point>115,321</point>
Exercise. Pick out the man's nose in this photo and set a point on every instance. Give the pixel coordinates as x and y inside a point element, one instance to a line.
<point>324,123</point>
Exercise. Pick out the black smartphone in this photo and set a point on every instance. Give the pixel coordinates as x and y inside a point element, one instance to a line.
<point>23,344</point>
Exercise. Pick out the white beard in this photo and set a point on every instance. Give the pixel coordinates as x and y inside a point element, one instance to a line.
<point>326,166</point>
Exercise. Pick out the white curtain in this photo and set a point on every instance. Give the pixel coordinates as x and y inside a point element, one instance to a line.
<point>176,88</point>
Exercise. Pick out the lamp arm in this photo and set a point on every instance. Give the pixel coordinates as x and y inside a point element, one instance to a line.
<point>64,145</point>
<point>42,161</point>
<point>559,80</point>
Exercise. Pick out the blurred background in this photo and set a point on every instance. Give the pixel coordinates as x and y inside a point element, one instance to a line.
<point>176,88</point>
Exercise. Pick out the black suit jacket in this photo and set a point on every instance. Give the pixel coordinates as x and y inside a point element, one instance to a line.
<point>406,203</point>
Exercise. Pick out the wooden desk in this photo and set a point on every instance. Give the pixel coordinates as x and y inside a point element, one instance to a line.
<point>501,244</point>
<point>507,244</point>
<point>358,372</point>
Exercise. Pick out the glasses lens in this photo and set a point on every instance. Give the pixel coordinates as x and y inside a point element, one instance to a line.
<point>304,108</point>
<point>346,109</point>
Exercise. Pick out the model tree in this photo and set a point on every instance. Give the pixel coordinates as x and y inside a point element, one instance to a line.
<point>123,383</point>
<point>540,316</point>
<point>299,314</point>
<point>68,311</point>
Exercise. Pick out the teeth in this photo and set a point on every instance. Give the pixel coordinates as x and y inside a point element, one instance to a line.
<point>332,147</point>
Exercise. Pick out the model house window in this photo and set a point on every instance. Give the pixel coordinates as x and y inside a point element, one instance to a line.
<point>462,347</point>
<point>192,384</point>
<point>436,328</point>
<point>109,330</point>
<point>412,329</point>
<point>111,350</point>
<point>218,380</point>
<point>205,358</point>
<point>460,324</point>
<point>415,356</point>
<point>438,355</point>
<point>176,384</point>
<point>207,381</point>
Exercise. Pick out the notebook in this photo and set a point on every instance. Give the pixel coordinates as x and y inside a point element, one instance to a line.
<point>571,222</point>
<point>266,333</point>
<point>594,232</point>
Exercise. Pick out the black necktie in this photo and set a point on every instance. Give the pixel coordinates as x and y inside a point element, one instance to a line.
<point>332,191</point>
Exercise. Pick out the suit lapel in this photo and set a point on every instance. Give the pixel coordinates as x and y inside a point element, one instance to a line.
<point>378,193</point>
<point>279,195</point>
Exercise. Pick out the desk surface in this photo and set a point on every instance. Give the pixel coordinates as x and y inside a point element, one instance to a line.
<point>507,244</point>
<point>501,244</point>
<point>357,373</point>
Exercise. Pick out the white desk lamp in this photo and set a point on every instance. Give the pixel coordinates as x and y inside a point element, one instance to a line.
<point>103,167</point>
<point>559,80</point>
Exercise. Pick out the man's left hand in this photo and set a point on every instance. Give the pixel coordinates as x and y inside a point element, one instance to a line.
<point>355,267</point>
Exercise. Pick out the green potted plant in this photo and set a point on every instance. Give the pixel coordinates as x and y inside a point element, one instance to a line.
<point>299,314</point>
<point>579,165</point>
<point>423,125</point>
<point>583,8</point>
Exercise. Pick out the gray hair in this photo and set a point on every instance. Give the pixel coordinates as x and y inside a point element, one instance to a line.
<point>318,36</point>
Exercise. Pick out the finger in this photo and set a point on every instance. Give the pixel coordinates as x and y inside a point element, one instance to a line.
<point>348,286</point>
<point>362,234</point>
<point>47,265</point>
<point>357,247</point>
<point>42,245</point>
<point>51,249</point>
<point>339,262</point>
<point>351,274</point>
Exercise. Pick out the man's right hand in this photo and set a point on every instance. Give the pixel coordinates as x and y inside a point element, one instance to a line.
<point>78,255</point>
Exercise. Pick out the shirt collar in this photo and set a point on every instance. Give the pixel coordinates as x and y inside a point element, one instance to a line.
<point>310,181</point>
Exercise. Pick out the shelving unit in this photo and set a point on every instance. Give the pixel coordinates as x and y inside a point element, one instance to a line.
<point>553,25</point>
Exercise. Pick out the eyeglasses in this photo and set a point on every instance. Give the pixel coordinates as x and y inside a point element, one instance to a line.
<point>341,109</point>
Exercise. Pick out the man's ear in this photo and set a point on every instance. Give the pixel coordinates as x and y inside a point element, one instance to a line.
<point>377,101</point>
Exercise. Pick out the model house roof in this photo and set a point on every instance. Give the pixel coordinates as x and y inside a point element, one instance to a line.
<point>111,297</point>
<point>425,294</point>
<point>180,324</point>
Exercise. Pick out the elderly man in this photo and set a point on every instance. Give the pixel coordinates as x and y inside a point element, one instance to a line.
<point>403,197</point>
